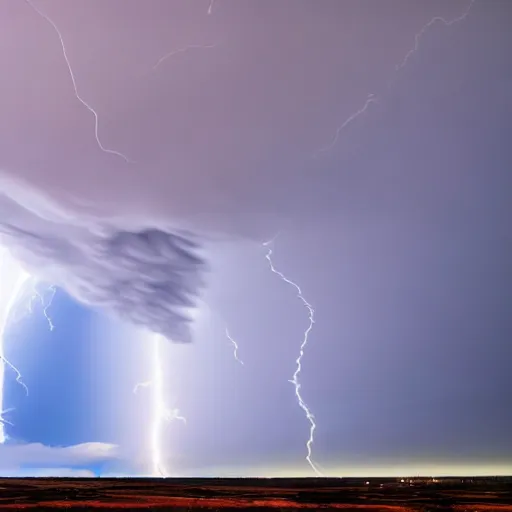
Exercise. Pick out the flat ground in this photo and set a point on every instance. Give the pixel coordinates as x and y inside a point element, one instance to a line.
<point>482,495</point>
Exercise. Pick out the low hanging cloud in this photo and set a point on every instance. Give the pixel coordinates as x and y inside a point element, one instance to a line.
<point>232,160</point>
<point>49,473</point>
<point>149,277</point>
<point>36,458</point>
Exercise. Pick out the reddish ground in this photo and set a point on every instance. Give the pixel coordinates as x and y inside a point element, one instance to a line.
<point>262,495</point>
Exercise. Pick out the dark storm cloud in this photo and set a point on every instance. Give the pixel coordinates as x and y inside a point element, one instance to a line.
<point>222,137</point>
<point>148,277</point>
<point>410,278</point>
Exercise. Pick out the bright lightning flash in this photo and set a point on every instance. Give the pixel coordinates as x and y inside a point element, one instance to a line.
<point>159,411</point>
<point>295,378</point>
<point>73,80</point>
<point>12,278</point>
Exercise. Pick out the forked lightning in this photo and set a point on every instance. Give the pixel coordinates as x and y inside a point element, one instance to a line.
<point>295,378</point>
<point>371,97</point>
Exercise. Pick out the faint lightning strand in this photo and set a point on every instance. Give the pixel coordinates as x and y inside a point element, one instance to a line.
<point>39,296</point>
<point>425,27</point>
<point>210,7</point>
<point>235,346</point>
<point>75,87</point>
<point>226,332</point>
<point>51,325</point>
<point>182,50</point>
<point>371,99</point>
<point>19,377</point>
<point>295,379</point>
<point>3,420</point>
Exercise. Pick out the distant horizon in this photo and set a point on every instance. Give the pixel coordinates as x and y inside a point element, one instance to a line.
<point>110,477</point>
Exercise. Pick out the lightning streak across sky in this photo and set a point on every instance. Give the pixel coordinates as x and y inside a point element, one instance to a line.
<point>75,87</point>
<point>12,278</point>
<point>235,346</point>
<point>181,50</point>
<point>425,27</point>
<point>230,338</point>
<point>159,411</point>
<point>45,305</point>
<point>295,378</point>
<point>371,98</point>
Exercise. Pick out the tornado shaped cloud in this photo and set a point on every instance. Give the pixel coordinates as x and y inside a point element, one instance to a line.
<point>149,277</point>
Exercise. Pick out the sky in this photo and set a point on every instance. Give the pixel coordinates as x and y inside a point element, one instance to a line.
<point>370,138</point>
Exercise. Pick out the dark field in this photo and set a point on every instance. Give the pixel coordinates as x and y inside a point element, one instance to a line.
<point>483,495</point>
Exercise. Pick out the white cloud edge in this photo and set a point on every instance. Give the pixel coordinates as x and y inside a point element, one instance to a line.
<point>21,458</point>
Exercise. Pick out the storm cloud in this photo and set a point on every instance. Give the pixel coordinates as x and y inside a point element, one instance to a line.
<point>222,140</point>
<point>148,277</point>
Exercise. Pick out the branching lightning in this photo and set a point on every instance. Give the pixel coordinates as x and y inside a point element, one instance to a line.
<point>39,296</point>
<point>159,411</point>
<point>75,87</point>
<point>371,97</point>
<point>2,418</point>
<point>295,378</point>
<point>12,278</point>
<point>181,50</point>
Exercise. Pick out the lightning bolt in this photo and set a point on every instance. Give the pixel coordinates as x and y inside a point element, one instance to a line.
<point>235,346</point>
<point>19,377</point>
<point>48,305</point>
<point>13,278</point>
<point>232,340</point>
<point>36,295</point>
<point>181,50</point>
<point>295,378</point>
<point>159,411</point>
<point>3,420</point>
<point>8,299</point>
<point>210,7</point>
<point>75,87</point>
<point>371,97</point>
<point>425,28</point>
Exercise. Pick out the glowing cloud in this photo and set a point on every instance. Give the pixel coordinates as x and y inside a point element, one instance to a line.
<point>12,277</point>
<point>147,277</point>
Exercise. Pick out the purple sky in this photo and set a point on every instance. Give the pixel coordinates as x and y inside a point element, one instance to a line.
<point>399,234</point>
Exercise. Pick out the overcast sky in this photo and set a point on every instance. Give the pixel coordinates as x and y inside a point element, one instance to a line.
<point>397,226</point>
